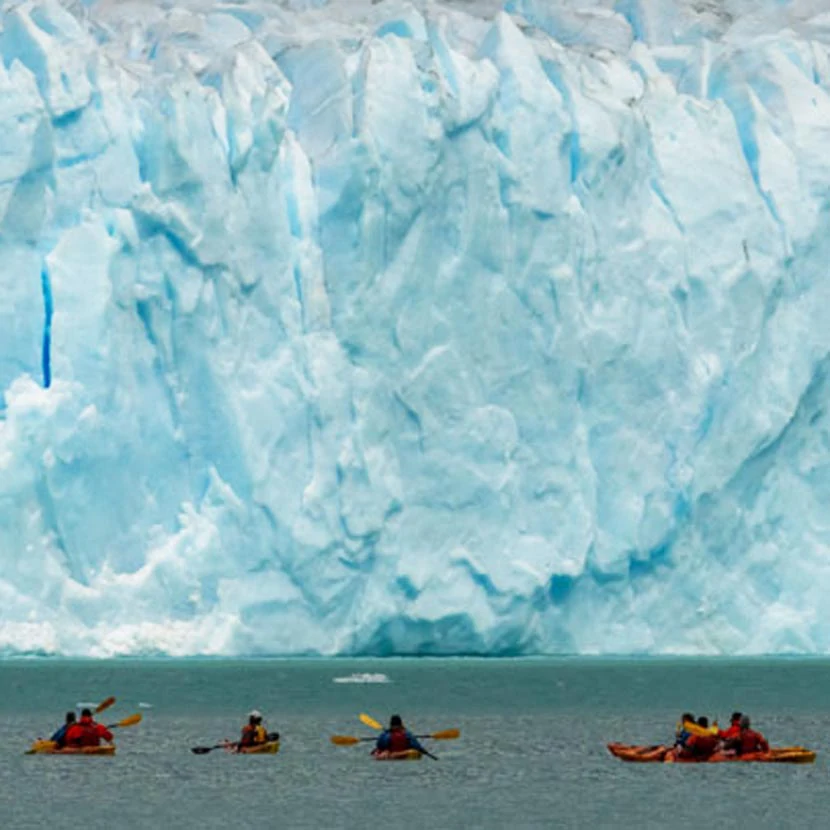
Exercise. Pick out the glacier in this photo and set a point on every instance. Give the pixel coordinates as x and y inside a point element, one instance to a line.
<point>414,327</point>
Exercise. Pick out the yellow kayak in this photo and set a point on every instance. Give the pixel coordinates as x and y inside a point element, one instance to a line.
<point>269,748</point>
<point>406,755</point>
<point>51,748</point>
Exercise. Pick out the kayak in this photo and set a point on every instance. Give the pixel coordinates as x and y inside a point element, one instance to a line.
<point>51,748</point>
<point>406,755</point>
<point>666,755</point>
<point>269,748</point>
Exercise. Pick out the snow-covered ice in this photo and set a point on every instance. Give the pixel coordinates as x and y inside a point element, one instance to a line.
<point>423,328</point>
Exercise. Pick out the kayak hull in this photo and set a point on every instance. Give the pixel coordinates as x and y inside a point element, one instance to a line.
<point>406,755</point>
<point>51,748</point>
<point>665,754</point>
<point>269,748</point>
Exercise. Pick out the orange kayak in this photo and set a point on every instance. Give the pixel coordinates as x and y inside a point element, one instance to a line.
<point>51,748</point>
<point>666,754</point>
<point>406,755</point>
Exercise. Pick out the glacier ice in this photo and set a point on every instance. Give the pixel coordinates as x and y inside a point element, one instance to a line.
<point>414,327</point>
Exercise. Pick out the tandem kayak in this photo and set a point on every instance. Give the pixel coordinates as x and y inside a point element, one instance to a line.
<point>406,755</point>
<point>666,755</point>
<point>51,748</point>
<point>269,748</point>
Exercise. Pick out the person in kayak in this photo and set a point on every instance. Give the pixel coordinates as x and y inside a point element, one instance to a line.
<point>59,737</point>
<point>729,736</point>
<point>253,733</point>
<point>702,742</point>
<point>86,732</point>
<point>749,740</point>
<point>396,738</point>
<point>682,733</point>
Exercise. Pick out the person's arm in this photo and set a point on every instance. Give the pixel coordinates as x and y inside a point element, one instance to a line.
<point>60,735</point>
<point>764,744</point>
<point>414,742</point>
<point>382,743</point>
<point>104,733</point>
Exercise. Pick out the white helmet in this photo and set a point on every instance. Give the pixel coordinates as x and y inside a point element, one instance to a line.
<point>256,714</point>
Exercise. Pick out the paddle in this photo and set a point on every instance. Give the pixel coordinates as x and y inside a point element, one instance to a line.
<point>373,724</point>
<point>203,750</point>
<point>132,720</point>
<point>104,704</point>
<point>370,722</point>
<point>350,740</point>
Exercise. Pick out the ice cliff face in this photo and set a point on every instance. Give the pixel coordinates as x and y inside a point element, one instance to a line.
<point>424,328</point>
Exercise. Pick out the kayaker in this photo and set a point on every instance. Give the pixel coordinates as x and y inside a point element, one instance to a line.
<point>730,735</point>
<point>750,741</point>
<point>60,735</point>
<point>397,738</point>
<point>701,744</point>
<point>682,733</point>
<point>86,732</point>
<point>253,732</point>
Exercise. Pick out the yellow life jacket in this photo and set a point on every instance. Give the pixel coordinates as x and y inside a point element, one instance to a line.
<point>260,735</point>
<point>693,729</point>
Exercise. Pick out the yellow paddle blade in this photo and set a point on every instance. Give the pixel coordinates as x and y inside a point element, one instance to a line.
<point>132,720</point>
<point>345,740</point>
<point>446,735</point>
<point>370,722</point>
<point>104,704</point>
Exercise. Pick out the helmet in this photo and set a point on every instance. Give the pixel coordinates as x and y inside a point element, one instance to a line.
<point>256,714</point>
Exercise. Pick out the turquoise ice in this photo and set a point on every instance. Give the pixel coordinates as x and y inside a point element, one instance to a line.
<point>429,328</point>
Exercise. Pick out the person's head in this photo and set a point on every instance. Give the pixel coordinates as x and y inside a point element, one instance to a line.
<point>395,722</point>
<point>745,723</point>
<point>687,717</point>
<point>70,717</point>
<point>254,718</point>
<point>703,721</point>
<point>86,713</point>
<point>736,717</point>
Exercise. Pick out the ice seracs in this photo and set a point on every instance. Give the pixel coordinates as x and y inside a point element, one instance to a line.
<point>423,328</point>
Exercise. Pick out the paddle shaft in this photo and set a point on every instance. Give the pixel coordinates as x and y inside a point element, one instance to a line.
<point>373,738</point>
<point>203,750</point>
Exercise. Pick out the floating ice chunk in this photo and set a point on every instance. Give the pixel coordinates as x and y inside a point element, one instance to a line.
<point>363,677</point>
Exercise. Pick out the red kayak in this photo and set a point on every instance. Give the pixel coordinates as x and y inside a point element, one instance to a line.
<point>667,755</point>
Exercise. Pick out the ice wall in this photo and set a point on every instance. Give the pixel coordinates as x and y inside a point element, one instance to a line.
<point>417,328</point>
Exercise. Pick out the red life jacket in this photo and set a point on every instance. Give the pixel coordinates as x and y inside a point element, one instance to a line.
<point>398,740</point>
<point>734,731</point>
<point>84,733</point>
<point>702,746</point>
<point>248,735</point>
<point>753,742</point>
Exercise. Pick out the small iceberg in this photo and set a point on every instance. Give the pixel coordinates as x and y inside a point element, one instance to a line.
<point>145,705</point>
<point>363,677</point>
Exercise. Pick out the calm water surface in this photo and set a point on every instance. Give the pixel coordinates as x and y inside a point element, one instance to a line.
<point>532,751</point>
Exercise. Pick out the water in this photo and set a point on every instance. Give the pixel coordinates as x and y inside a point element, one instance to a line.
<point>532,751</point>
